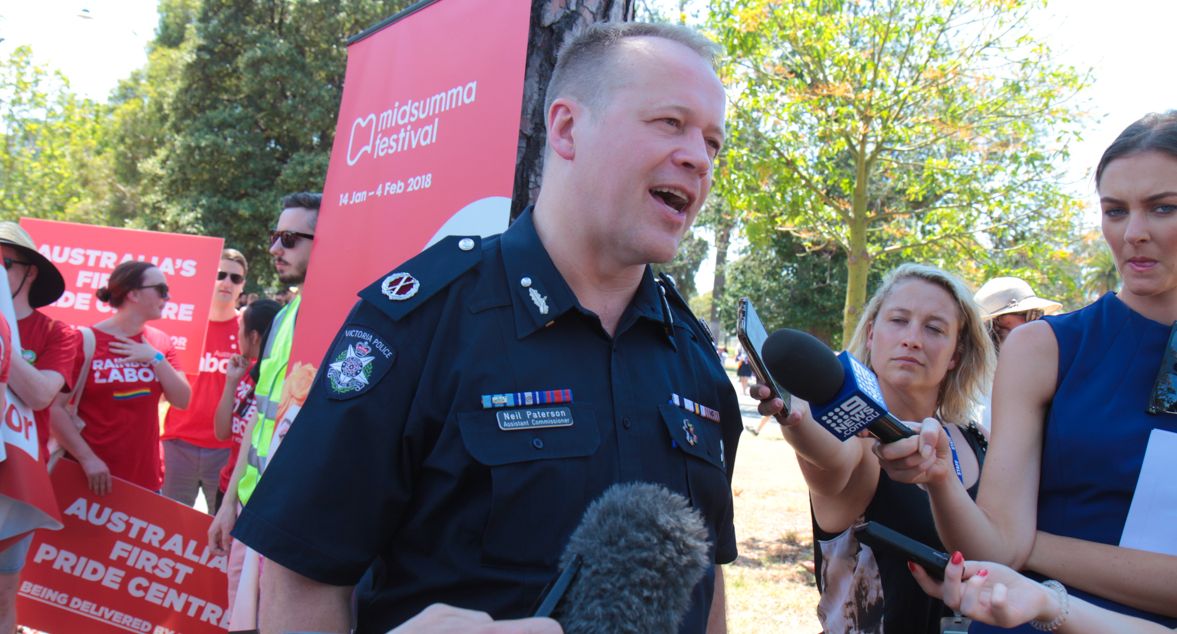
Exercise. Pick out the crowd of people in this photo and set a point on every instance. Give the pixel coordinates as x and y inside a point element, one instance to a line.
<point>455,434</point>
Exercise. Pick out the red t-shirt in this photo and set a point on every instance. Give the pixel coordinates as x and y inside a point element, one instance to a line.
<point>120,406</point>
<point>195,424</point>
<point>49,344</point>
<point>244,408</point>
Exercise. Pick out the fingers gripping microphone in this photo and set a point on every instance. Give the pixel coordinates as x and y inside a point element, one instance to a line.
<point>630,567</point>
<point>843,394</point>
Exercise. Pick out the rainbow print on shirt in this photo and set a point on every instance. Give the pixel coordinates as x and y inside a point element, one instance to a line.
<point>122,396</point>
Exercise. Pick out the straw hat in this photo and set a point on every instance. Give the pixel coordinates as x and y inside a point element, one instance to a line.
<point>1005,295</point>
<point>49,284</point>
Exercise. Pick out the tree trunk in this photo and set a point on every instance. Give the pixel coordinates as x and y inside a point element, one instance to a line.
<point>552,22</point>
<point>858,259</point>
<point>723,238</point>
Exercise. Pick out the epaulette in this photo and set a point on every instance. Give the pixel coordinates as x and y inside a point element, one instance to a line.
<point>409,285</point>
<point>670,289</point>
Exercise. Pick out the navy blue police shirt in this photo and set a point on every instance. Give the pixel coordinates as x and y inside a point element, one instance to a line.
<point>465,416</point>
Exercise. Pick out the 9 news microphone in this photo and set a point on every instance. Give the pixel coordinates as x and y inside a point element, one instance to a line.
<point>843,394</point>
<point>630,567</point>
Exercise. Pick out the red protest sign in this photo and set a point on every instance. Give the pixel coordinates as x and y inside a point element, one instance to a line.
<point>86,254</point>
<point>424,147</point>
<point>130,561</point>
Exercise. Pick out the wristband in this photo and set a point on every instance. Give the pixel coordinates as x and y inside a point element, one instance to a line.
<point>155,360</point>
<point>1063,608</point>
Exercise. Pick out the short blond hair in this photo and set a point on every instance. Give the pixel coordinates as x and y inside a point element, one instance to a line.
<point>963,386</point>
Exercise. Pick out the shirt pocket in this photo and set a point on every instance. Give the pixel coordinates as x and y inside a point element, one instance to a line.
<point>705,475</point>
<point>540,484</point>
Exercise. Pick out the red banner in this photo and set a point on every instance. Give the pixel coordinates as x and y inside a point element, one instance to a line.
<point>86,254</point>
<point>130,561</point>
<point>424,148</point>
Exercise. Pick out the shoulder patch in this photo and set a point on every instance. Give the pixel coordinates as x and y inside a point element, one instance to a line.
<point>358,360</point>
<point>410,284</point>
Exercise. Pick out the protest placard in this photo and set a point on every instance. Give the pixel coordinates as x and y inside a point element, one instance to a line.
<point>129,561</point>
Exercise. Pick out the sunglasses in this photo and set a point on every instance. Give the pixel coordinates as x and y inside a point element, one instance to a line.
<point>1164,391</point>
<point>236,277</point>
<point>8,262</point>
<point>161,288</point>
<point>289,238</point>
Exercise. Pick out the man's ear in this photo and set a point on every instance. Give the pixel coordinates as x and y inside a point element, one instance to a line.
<point>562,117</point>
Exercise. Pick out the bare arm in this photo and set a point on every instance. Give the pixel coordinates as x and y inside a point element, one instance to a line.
<point>717,618</point>
<point>223,416</point>
<point>841,476</point>
<point>292,602</point>
<point>1000,525</point>
<point>175,384</point>
<point>37,388</point>
<point>219,531</point>
<point>62,426</point>
<point>1141,579</point>
<point>997,595</point>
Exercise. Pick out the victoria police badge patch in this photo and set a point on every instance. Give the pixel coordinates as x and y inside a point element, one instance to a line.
<point>357,362</point>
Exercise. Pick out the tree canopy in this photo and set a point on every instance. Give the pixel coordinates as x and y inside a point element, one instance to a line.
<point>925,129</point>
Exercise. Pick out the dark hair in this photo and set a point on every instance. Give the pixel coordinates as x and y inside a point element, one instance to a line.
<point>125,278</point>
<point>258,317</point>
<point>581,70</point>
<point>1152,132</point>
<point>233,255</point>
<point>307,200</point>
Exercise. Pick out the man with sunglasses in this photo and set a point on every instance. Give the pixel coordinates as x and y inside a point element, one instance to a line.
<point>43,368</point>
<point>290,245</point>
<point>193,457</point>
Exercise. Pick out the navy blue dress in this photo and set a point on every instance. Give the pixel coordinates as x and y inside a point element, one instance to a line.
<point>468,411</point>
<point>1097,428</point>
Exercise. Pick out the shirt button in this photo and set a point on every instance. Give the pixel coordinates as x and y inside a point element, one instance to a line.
<point>537,443</point>
<point>625,422</point>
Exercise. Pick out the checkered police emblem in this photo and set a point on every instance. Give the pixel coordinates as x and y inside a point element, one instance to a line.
<point>359,360</point>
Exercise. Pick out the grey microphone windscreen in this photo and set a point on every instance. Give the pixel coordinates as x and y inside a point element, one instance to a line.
<point>642,549</point>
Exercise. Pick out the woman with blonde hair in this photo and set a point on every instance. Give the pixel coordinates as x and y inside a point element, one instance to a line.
<point>923,335</point>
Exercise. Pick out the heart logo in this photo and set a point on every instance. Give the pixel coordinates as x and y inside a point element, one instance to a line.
<point>363,124</point>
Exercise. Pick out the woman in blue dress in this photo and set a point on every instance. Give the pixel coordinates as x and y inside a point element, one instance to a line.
<point>1071,419</point>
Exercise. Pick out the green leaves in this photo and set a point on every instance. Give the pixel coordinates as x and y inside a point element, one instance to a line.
<point>915,129</point>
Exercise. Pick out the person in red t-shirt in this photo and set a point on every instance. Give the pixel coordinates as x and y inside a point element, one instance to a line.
<point>193,455</point>
<point>133,365</point>
<point>43,368</point>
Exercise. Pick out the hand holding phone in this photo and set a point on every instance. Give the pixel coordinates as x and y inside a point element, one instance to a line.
<point>752,336</point>
<point>878,536</point>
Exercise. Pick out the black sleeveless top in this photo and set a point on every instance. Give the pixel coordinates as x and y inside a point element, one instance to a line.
<point>868,591</point>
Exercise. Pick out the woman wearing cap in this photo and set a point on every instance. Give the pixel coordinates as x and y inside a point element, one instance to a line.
<point>1009,302</point>
<point>1075,412</point>
<point>133,365</point>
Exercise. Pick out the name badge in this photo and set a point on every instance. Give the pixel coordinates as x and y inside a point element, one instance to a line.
<point>534,418</point>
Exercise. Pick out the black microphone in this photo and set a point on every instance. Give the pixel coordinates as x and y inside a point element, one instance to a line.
<point>843,394</point>
<point>630,567</point>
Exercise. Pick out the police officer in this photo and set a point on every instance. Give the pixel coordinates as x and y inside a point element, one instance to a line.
<point>480,395</point>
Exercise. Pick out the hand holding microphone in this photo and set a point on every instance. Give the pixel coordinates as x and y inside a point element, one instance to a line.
<point>843,394</point>
<point>922,459</point>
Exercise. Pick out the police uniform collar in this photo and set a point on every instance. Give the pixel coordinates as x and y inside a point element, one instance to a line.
<point>538,292</point>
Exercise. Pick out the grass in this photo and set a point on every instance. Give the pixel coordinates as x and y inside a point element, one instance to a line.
<point>770,586</point>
